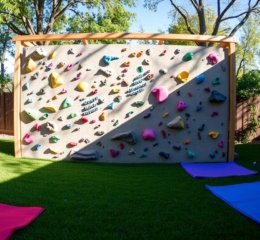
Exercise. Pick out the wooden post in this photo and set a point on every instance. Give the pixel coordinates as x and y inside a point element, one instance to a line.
<point>232,101</point>
<point>17,100</point>
<point>85,41</point>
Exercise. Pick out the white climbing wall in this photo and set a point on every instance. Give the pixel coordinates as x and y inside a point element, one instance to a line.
<point>93,87</point>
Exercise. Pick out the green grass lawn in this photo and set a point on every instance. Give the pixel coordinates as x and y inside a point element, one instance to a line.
<point>102,201</point>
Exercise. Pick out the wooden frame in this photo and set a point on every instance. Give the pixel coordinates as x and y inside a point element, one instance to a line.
<point>31,40</point>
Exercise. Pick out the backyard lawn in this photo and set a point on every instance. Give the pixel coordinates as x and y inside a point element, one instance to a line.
<point>103,201</point>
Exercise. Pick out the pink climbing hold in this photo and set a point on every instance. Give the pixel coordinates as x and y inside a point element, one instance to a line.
<point>214,114</point>
<point>114,153</point>
<point>221,144</point>
<point>63,91</point>
<point>84,119</point>
<point>69,67</point>
<point>160,93</point>
<point>213,58</point>
<point>27,138</point>
<point>121,146</point>
<point>149,134</point>
<point>181,105</point>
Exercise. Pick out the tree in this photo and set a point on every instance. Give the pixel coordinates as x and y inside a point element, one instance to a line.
<point>248,49</point>
<point>45,16</point>
<point>235,13</point>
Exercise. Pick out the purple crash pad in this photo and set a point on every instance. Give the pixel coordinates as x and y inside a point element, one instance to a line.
<point>216,170</point>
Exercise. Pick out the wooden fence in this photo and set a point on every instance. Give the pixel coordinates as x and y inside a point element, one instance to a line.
<point>6,113</point>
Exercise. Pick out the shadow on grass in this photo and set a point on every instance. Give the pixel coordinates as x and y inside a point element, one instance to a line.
<point>7,147</point>
<point>103,201</point>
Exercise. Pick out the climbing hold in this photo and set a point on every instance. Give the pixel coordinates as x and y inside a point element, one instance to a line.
<point>121,146</point>
<point>116,123</point>
<point>201,128</point>
<point>51,126</point>
<point>188,56</point>
<point>176,147</point>
<point>163,53</point>
<point>123,49</point>
<point>27,138</point>
<point>176,123</point>
<point>114,153</point>
<point>147,115</point>
<point>177,51</point>
<point>44,116</point>
<point>94,91</point>
<point>115,90</point>
<point>149,134</point>
<point>200,78</point>
<point>72,144</point>
<point>143,155</point>
<point>38,54</point>
<point>163,71</point>
<point>52,55</point>
<point>84,119</point>
<point>68,126</point>
<point>70,51</point>
<point>69,67</point>
<point>107,59</point>
<point>181,105</point>
<point>131,152</point>
<point>213,134</point>
<point>221,144</point>
<point>149,76</point>
<point>187,141</point>
<point>33,114</point>
<point>139,54</point>
<point>61,64</point>
<point>190,154</point>
<point>216,81</point>
<point>128,137</point>
<point>146,62</point>
<point>72,115</point>
<point>139,69</point>
<point>214,114</point>
<point>213,58</point>
<point>26,86</point>
<point>102,117</point>
<point>165,114</point>
<point>67,102</point>
<point>99,133</point>
<point>55,97</point>
<point>189,94</point>
<point>133,54</point>
<point>111,106</point>
<point>138,103</point>
<point>212,155</point>
<point>164,155</point>
<point>37,127</point>
<point>50,109</point>
<point>28,101</point>
<point>199,135</point>
<point>217,97</point>
<point>148,52</point>
<point>35,76</point>
<point>85,154</point>
<point>53,150</point>
<point>78,76</point>
<point>183,76</point>
<point>160,93</point>
<point>54,139</point>
<point>36,147</point>
<point>118,99</point>
<point>126,64</point>
<point>163,133</point>
<point>207,89</point>
<point>124,83</point>
<point>30,66</point>
<point>81,87</point>
<point>106,72</point>
<point>55,80</point>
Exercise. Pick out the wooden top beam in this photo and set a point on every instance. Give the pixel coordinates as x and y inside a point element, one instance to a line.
<point>124,36</point>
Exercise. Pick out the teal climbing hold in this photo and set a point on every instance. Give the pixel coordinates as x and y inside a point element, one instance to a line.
<point>139,69</point>
<point>107,59</point>
<point>111,106</point>
<point>67,102</point>
<point>118,99</point>
<point>190,154</point>
<point>188,56</point>
<point>216,81</point>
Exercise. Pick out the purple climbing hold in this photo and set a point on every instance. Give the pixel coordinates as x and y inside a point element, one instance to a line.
<point>149,134</point>
<point>221,144</point>
<point>114,153</point>
<point>213,58</point>
<point>69,67</point>
<point>160,93</point>
<point>181,105</point>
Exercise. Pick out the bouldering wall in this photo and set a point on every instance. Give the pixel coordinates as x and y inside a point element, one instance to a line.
<point>125,103</point>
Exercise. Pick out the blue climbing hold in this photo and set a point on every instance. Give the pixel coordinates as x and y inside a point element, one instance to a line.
<point>200,79</point>
<point>107,59</point>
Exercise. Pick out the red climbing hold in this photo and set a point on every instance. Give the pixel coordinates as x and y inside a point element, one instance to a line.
<point>92,121</point>
<point>37,127</point>
<point>72,144</point>
<point>121,146</point>
<point>164,134</point>
<point>84,119</point>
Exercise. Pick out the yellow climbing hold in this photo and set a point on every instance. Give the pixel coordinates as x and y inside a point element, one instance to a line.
<point>50,109</point>
<point>213,134</point>
<point>133,54</point>
<point>55,80</point>
<point>52,55</point>
<point>53,150</point>
<point>94,86</point>
<point>165,114</point>
<point>30,66</point>
<point>115,90</point>
<point>183,76</point>
<point>82,87</point>
<point>139,54</point>
<point>102,117</point>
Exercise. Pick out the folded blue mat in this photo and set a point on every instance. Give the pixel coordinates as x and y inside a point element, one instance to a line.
<point>244,197</point>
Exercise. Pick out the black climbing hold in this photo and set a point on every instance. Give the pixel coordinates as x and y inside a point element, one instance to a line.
<point>176,147</point>
<point>201,128</point>
<point>147,115</point>
<point>199,135</point>
<point>155,144</point>
<point>164,155</point>
<point>217,97</point>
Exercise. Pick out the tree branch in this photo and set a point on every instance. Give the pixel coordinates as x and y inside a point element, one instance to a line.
<point>183,16</point>
<point>15,29</point>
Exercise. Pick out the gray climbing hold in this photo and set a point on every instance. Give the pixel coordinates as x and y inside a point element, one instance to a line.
<point>38,54</point>
<point>217,97</point>
<point>163,71</point>
<point>128,137</point>
<point>85,155</point>
<point>146,62</point>
<point>148,52</point>
<point>51,126</point>
<point>176,123</point>
<point>164,155</point>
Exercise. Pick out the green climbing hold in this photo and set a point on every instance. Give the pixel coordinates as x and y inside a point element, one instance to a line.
<point>67,102</point>
<point>188,56</point>
<point>138,103</point>
<point>216,81</point>
<point>54,139</point>
<point>118,99</point>
<point>72,115</point>
<point>139,69</point>
<point>44,116</point>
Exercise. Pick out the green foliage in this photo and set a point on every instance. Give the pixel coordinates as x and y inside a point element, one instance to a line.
<point>248,85</point>
<point>5,83</point>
